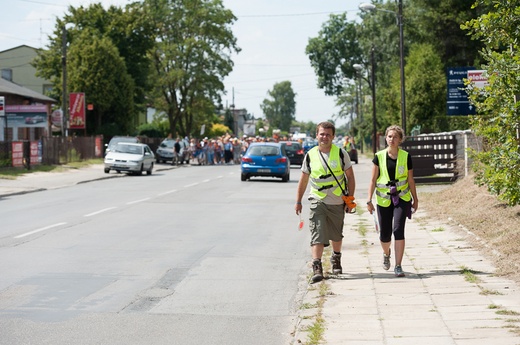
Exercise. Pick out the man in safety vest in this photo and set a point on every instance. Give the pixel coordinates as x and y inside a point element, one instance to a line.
<point>396,195</point>
<point>329,170</point>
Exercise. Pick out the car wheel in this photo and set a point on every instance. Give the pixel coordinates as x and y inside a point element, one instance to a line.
<point>118,171</point>
<point>140,172</point>
<point>149,171</point>
<point>107,171</point>
<point>243,177</point>
<point>286,177</point>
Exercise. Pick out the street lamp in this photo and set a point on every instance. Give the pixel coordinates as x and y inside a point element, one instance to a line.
<point>358,69</point>
<point>64,100</point>
<point>372,84</point>
<point>399,15</point>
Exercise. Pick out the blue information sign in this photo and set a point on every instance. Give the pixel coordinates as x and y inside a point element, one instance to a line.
<point>457,102</point>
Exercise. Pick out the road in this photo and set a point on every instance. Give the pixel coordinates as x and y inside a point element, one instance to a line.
<point>185,256</point>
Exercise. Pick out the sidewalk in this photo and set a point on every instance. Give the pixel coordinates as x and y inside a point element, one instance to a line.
<point>434,304</point>
<point>39,181</point>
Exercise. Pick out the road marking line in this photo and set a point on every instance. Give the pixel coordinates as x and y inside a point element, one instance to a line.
<point>38,230</point>
<point>169,192</point>
<point>137,201</point>
<point>98,212</point>
<point>191,185</point>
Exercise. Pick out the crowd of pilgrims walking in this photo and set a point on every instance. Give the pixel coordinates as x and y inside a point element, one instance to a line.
<point>226,149</point>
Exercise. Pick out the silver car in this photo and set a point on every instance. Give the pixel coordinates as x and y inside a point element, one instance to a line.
<point>130,157</point>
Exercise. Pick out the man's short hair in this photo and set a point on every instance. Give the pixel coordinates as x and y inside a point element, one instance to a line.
<point>326,125</point>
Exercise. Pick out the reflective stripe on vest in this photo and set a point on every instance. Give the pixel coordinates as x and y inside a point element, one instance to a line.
<point>320,177</point>
<point>401,177</point>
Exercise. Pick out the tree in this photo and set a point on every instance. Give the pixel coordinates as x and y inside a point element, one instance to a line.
<point>426,87</point>
<point>437,22</point>
<point>191,57</point>
<point>280,109</point>
<point>126,37</point>
<point>498,121</point>
<point>334,52</point>
<point>97,69</point>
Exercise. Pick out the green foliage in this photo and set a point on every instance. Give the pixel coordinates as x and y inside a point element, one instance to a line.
<point>498,164</point>
<point>106,59</point>
<point>426,89</point>
<point>280,109</point>
<point>151,130</point>
<point>191,57</point>
<point>218,130</point>
<point>334,52</point>
<point>97,69</point>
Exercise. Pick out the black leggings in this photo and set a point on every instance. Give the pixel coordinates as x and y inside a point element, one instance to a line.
<point>392,220</point>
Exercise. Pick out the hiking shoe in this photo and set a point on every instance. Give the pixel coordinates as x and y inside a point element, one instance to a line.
<point>386,261</point>
<point>317,270</point>
<point>398,270</point>
<point>335,261</point>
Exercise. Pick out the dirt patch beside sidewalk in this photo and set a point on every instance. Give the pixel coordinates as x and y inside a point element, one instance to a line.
<point>497,225</point>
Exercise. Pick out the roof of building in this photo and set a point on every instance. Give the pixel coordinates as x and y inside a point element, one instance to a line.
<point>7,87</point>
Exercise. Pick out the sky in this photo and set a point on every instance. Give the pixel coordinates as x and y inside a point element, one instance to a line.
<point>272,35</point>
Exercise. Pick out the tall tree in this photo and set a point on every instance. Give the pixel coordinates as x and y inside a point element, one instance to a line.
<point>498,122</point>
<point>97,69</point>
<point>280,109</point>
<point>437,22</point>
<point>193,44</point>
<point>124,30</point>
<point>334,52</point>
<point>426,89</point>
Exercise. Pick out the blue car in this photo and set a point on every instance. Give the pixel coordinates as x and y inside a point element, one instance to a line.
<point>266,160</point>
<point>309,144</point>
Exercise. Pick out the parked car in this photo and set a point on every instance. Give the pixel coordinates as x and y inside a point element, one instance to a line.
<point>265,159</point>
<point>309,144</point>
<point>165,151</point>
<point>294,151</point>
<point>130,157</point>
<point>353,154</point>
<point>117,139</point>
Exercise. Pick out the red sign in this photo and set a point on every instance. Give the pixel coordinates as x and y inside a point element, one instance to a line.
<point>478,78</point>
<point>17,152</point>
<point>77,110</point>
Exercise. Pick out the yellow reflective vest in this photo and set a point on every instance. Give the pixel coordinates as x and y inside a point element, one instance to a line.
<point>321,178</point>
<point>401,178</point>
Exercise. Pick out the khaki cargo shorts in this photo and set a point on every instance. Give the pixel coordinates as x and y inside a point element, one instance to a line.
<point>325,222</point>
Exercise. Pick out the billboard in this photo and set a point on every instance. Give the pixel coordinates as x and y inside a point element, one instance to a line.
<point>77,110</point>
<point>26,115</point>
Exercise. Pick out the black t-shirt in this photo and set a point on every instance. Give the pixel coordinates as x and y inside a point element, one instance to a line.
<point>392,163</point>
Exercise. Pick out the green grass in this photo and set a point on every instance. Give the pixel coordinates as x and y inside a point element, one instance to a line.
<point>469,275</point>
<point>11,173</point>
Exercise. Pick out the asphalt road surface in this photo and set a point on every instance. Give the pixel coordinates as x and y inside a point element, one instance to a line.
<point>185,256</point>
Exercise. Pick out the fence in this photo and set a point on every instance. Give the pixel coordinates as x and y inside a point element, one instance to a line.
<point>59,150</point>
<point>434,157</point>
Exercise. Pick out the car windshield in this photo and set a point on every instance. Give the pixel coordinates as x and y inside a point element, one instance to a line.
<point>132,149</point>
<point>264,151</point>
<point>167,143</point>
<point>292,147</point>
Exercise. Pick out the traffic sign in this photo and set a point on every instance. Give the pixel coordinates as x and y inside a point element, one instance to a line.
<point>2,105</point>
<point>458,102</point>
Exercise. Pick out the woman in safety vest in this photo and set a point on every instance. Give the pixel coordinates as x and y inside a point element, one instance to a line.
<point>392,180</point>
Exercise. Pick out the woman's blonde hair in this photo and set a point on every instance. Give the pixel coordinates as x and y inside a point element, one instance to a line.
<point>397,129</point>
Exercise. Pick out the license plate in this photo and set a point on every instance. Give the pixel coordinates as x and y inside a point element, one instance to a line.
<point>264,170</point>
